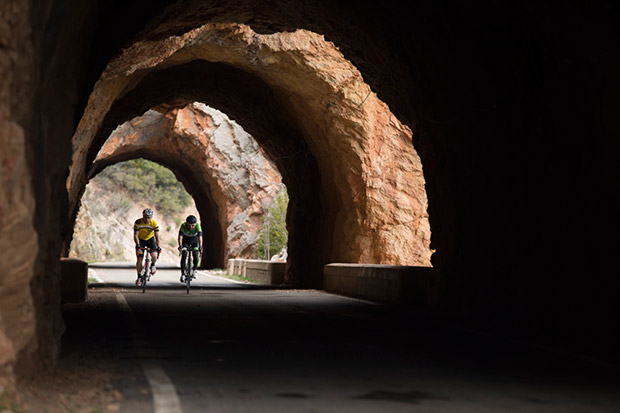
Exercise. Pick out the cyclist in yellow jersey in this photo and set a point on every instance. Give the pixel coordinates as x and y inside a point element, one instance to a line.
<point>146,234</point>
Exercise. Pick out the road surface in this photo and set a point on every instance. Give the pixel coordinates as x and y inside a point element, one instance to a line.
<point>230,347</point>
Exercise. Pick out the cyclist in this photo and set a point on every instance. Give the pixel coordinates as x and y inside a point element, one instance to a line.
<point>146,234</point>
<point>190,237</point>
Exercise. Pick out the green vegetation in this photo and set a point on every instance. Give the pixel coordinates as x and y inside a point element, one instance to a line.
<point>149,182</point>
<point>238,278</point>
<point>222,273</point>
<point>273,235</point>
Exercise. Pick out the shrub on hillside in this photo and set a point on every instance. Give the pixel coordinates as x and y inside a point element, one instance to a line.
<point>273,235</point>
<point>149,182</point>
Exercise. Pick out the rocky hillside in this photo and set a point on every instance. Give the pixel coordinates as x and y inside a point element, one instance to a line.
<point>104,226</point>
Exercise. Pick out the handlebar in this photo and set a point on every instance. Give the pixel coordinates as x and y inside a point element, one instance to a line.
<point>181,249</point>
<point>147,249</point>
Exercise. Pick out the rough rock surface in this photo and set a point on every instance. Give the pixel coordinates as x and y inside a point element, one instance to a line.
<point>241,181</point>
<point>370,192</point>
<point>17,313</point>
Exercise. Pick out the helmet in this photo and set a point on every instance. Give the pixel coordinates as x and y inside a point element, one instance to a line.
<point>148,212</point>
<point>191,219</point>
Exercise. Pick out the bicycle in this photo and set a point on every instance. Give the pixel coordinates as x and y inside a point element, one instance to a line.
<point>145,274</point>
<point>188,273</point>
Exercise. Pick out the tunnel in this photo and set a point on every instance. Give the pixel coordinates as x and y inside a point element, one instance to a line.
<point>329,178</point>
<point>507,113</point>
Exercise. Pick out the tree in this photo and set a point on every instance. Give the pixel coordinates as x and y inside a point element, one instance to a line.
<point>273,235</point>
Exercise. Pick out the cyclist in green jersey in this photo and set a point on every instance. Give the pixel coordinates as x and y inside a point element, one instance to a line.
<point>190,237</point>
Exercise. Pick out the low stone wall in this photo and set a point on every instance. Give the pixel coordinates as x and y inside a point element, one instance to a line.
<point>385,283</point>
<point>74,280</point>
<point>236,266</point>
<point>262,271</point>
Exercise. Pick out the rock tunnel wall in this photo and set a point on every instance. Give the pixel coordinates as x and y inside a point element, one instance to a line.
<point>513,112</point>
<point>17,204</point>
<point>231,174</point>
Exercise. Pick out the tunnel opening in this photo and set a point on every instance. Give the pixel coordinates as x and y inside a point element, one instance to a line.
<point>218,162</point>
<point>315,133</point>
<point>266,121</point>
<point>114,199</point>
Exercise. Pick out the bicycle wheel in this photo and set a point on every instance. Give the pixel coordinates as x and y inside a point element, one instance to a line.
<point>188,270</point>
<point>145,272</point>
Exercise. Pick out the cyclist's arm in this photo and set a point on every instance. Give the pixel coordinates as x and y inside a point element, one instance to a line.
<point>156,233</point>
<point>199,236</point>
<point>180,240</point>
<point>136,240</point>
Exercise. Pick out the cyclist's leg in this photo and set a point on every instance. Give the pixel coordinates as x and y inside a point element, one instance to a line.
<point>153,253</point>
<point>183,261</point>
<point>139,261</point>
<point>139,265</point>
<point>195,254</point>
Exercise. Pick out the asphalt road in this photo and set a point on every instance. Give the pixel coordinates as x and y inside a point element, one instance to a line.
<point>230,347</point>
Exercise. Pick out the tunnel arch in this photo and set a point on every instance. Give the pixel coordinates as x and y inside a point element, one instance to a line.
<point>214,256</point>
<point>280,140</point>
<point>328,122</point>
<point>220,162</point>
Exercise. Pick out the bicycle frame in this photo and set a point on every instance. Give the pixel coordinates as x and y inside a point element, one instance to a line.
<point>145,274</point>
<point>189,272</point>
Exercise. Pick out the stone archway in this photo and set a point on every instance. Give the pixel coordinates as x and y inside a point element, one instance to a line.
<point>360,179</point>
<point>221,166</point>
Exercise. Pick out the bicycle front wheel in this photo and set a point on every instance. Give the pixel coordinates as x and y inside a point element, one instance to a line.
<point>145,276</point>
<point>188,277</point>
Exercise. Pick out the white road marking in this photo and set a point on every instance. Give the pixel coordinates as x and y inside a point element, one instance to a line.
<point>165,397</point>
<point>92,273</point>
<point>221,278</point>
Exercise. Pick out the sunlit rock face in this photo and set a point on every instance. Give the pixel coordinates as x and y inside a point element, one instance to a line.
<point>225,162</point>
<point>364,201</point>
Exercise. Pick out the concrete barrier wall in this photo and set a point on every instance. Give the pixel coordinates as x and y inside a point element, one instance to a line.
<point>385,283</point>
<point>73,280</point>
<point>261,271</point>
<point>236,266</point>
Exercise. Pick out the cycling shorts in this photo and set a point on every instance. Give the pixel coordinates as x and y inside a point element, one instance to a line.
<point>148,243</point>
<point>189,242</point>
